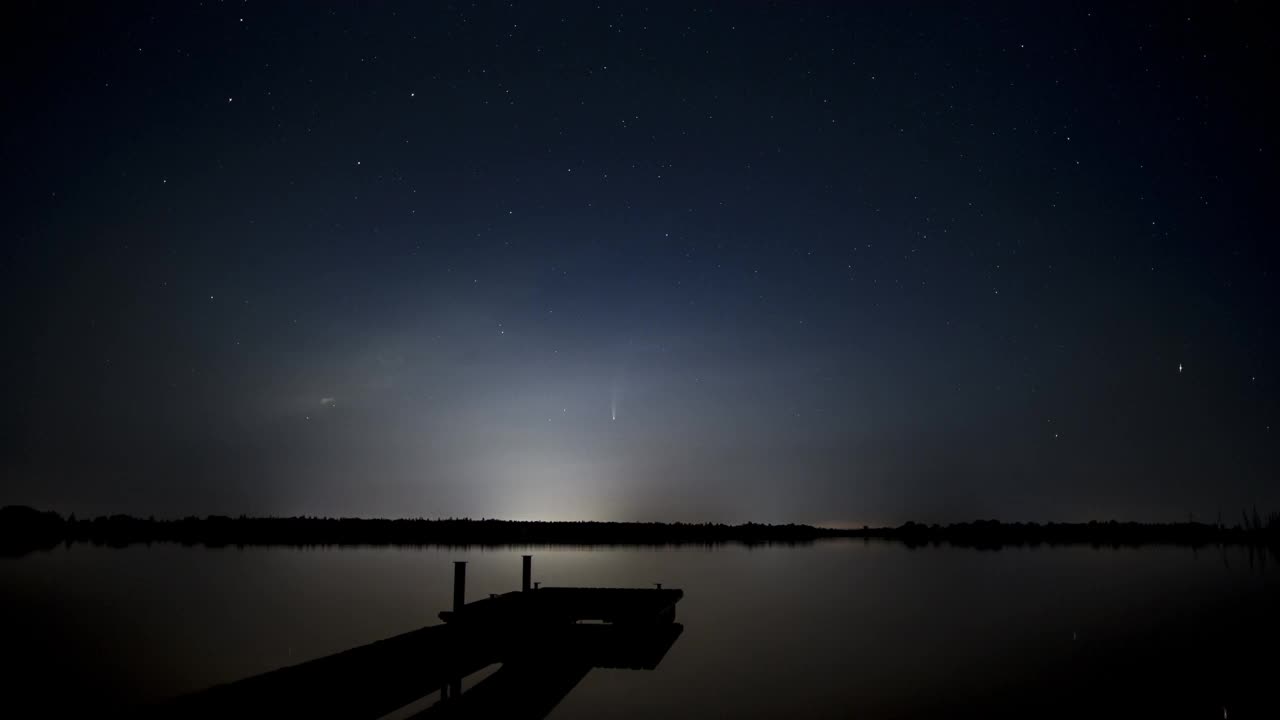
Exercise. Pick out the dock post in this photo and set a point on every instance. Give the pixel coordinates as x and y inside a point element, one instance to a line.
<point>459,584</point>
<point>528,573</point>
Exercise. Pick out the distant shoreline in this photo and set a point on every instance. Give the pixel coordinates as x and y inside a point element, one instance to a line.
<point>24,529</point>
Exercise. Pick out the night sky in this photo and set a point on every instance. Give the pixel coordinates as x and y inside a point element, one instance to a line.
<point>726,262</point>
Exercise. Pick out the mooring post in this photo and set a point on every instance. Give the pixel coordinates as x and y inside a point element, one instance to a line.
<point>459,584</point>
<point>528,573</point>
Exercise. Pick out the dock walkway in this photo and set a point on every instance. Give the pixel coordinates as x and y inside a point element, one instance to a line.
<point>546,640</point>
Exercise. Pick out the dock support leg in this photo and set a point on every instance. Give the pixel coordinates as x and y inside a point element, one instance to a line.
<point>528,573</point>
<point>459,584</point>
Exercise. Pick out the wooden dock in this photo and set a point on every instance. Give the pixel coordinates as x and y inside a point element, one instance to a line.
<point>561,605</point>
<point>545,639</point>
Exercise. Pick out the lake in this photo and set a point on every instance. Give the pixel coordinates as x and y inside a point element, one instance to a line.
<point>833,629</point>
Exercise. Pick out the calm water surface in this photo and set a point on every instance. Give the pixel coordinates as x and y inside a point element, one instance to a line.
<point>834,629</point>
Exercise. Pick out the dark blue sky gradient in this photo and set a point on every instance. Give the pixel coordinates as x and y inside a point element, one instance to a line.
<point>744,261</point>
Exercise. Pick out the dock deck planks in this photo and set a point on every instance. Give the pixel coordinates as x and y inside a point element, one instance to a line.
<point>539,637</point>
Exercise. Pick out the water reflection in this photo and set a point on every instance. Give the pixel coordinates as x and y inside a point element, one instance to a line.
<point>846,628</point>
<point>533,683</point>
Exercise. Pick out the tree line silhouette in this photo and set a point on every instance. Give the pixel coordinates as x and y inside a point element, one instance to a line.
<point>23,529</point>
